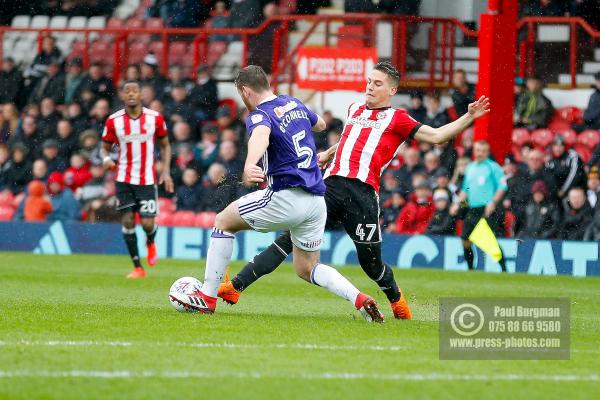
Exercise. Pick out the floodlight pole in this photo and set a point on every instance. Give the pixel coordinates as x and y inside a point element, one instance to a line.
<point>497,55</point>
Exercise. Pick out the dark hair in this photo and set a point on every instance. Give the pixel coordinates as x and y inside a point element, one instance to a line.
<point>128,81</point>
<point>388,68</point>
<point>253,77</point>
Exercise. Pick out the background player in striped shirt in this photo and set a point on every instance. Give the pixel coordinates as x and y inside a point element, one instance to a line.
<point>370,140</point>
<point>135,129</point>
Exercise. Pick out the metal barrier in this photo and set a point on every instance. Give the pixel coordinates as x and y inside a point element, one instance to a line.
<point>441,42</point>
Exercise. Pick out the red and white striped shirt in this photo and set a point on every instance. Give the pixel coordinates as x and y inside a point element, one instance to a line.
<point>135,138</point>
<point>369,142</point>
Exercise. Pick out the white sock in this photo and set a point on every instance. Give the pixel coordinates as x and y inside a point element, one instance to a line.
<point>217,258</point>
<point>329,278</point>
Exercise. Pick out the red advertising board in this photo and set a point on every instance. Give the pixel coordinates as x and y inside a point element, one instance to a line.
<point>332,68</point>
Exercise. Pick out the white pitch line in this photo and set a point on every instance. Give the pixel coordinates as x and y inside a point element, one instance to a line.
<point>311,376</point>
<point>298,346</point>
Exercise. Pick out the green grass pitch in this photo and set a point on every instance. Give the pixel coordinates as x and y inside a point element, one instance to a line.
<point>72,327</point>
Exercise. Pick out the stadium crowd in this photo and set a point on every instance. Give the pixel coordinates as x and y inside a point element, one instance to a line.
<point>53,113</point>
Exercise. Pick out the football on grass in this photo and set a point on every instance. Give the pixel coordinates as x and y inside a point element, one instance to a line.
<point>185,285</point>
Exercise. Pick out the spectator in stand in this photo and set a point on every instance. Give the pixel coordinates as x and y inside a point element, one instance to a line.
<point>518,90</point>
<point>391,211</point>
<point>436,116</point>
<point>37,206</point>
<point>593,184</point>
<point>182,133</point>
<point>39,170</point>
<point>245,14</point>
<point>447,155</point>
<point>216,196</point>
<point>177,78</point>
<point>29,136</point>
<point>519,193</point>
<point>592,233</point>
<point>544,8</point>
<point>157,105</point>
<point>205,95</point>
<point>10,122</point>
<point>66,207</point>
<point>311,7</point>
<point>442,182</point>
<point>148,95</point>
<point>389,185</point>
<point>51,85</point>
<point>185,13</point>
<point>96,83</point>
<point>229,159</point>
<point>432,165</point>
<point>99,114</point>
<point>586,9</point>
<point>442,223</point>
<point>542,216</point>
<point>67,141</point>
<point>463,93</point>
<point>417,213</point>
<point>179,109</point>
<point>78,173</point>
<point>18,175</point>
<point>417,110</point>
<point>261,45</point>
<point>226,121</point>
<point>219,19</point>
<point>459,173</point>
<point>577,215</point>
<point>412,164</point>
<point>151,76</point>
<point>94,188</point>
<point>51,154</point>
<point>404,7</point>
<point>566,166</point>
<point>89,146</point>
<point>48,118</point>
<point>207,149</point>
<point>534,109</point>
<point>133,73</point>
<point>591,115</point>
<point>11,82</point>
<point>73,79</point>
<point>38,68</point>
<point>360,6</point>
<point>5,164</point>
<point>75,116</point>
<point>482,190</point>
<point>189,195</point>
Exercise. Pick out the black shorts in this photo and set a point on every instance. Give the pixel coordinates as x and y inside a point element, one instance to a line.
<point>471,218</point>
<point>354,205</point>
<point>140,198</point>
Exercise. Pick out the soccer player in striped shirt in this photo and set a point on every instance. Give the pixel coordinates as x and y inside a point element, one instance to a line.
<point>370,140</point>
<point>135,129</point>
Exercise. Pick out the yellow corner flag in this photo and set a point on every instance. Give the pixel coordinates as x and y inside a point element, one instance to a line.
<point>483,237</point>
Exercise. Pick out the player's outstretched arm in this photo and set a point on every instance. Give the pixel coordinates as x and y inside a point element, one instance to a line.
<point>166,155</point>
<point>107,162</point>
<point>320,125</point>
<point>326,156</point>
<point>257,146</point>
<point>440,135</point>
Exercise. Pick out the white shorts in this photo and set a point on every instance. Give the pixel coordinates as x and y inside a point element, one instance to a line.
<point>303,213</point>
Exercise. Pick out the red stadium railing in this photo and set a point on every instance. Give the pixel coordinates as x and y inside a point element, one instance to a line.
<point>526,45</point>
<point>283,58</point>
<point>441,42</point>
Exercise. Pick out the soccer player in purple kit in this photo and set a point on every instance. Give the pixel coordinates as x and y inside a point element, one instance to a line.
<point>280,129</point>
